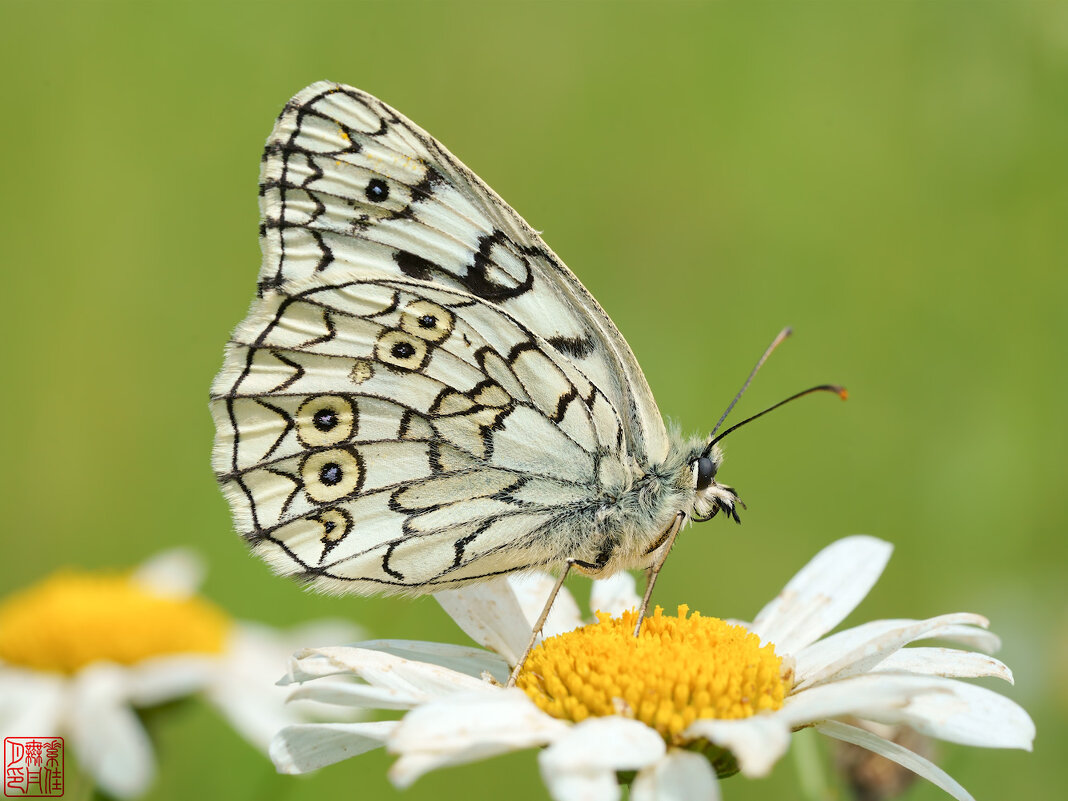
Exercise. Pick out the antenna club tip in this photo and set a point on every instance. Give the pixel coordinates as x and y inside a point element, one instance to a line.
<point>842,393</point>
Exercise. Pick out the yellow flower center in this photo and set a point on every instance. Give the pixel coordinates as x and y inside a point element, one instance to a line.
<point>677,670</point>
<point>72,619</point>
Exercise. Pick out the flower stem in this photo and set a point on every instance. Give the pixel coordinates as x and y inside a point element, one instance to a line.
<point>809,763</point>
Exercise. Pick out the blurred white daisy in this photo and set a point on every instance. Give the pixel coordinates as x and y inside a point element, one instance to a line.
<point>690,699</point>
<point>81,651</point>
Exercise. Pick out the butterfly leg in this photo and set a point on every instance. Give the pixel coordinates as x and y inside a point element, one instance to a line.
<point>541,622</point>
<point>668,539</point>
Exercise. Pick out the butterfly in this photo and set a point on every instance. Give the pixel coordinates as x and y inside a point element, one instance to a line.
<point>422,394</point>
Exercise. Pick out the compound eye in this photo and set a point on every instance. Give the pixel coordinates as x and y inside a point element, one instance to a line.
<point>704,471</point>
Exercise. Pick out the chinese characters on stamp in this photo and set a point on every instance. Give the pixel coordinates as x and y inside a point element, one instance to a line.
<point>33,767</point>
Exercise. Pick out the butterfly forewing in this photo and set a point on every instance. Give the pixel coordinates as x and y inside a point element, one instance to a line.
<point>349,184</point>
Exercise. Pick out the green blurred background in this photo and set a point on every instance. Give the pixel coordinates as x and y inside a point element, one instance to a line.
<point>890,179</point>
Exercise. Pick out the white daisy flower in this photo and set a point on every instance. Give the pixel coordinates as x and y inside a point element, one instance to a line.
<point>80,651</point>
<point>690,699</point>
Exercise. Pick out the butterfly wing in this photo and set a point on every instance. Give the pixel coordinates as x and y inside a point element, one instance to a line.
<point>349,184</point>
<point>387,434</point>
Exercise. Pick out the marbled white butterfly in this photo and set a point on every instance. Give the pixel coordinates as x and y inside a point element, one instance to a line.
<point>423,395</point>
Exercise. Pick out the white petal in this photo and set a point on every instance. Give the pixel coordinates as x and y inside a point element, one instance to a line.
<point>257,653</point>
<point>379,669</point>
<point>461,658</point>
<point>490,614</point>
<point>962,713</point>
<point>972,637</point>
<point>615,594</point>
<point>161,679</point>
<point>457,721</point>
<point>593,785</point>
<point>945,662</point>
<point>31,703</point>
<point>309,746</point>
<point>867,696</point>
<point>465,727</point>
<point>756,742</point>
<point>176,573</point>
<point>244,686</point>
<point>859,649</point>
<point>255,713</point>
<point>679,776</point>
<point>825,590</point>
<point>896,753</point>
<point>532,590</point>
<point>256,710</point>
<point>609,743</point>
<point>260,653</point>
<point>106,735</point>
<point>315,663</point>
<point>581,764</point>
<point>353,694</point>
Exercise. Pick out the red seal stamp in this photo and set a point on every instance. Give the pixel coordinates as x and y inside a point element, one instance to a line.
<point>33,767</point>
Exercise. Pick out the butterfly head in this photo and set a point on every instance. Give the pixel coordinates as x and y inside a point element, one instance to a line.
<point>711,498</point>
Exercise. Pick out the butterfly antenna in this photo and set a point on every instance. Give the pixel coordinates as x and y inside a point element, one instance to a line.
<point>760,363</point>
<point>837,390</point>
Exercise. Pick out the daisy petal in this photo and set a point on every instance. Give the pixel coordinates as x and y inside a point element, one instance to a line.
<point>490,614</point>
<point>107,736</point>
<point>962,713</point>
<point>679,776</point>
<point>820,596</point>
<point>316,663</point>
<point>871,696</point>
<point>31,703</point>
<point>581,764</point>
<point>464,727</point>
<point>592,785</point>
<point>461,658</point>
<point>306,747</point>
<point>252,711</point>
<point>177,573</point>
<point>971,637</point>
<point>379,669</point>
<point>355,694</point>
<point>945,662</point>
<point>615,594</point>
<point>756,742</point>
<point>607,743</point>
<point>896,753</point>
<point>161,679</point>
<point>532,590</point>
<point>859,649</point>
<point>245,689</point>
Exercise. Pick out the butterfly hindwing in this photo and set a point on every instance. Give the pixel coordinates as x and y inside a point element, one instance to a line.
<point>382,433</point>
<point>349,185</point>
